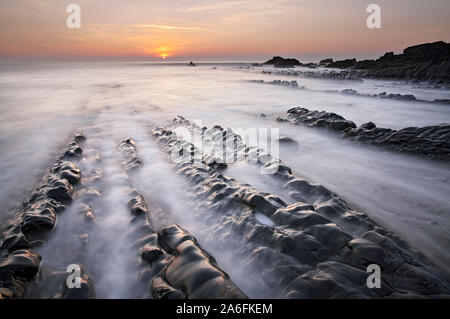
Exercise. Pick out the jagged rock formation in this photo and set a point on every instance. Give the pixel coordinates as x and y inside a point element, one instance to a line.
<point>128,149</point>
<point>280,62</point>
<point>290,84</point>
<point>425,62</point>
<point>176,266</point>
<point>19,263</point>
<point>430,141</point>
<point>325,61</point>
<point>333,75</point>
<point>318,248</point>
<point>343,64</point>
<point>382,95</point>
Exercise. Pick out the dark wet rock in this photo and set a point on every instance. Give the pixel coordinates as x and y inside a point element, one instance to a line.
<point>331,121</point>
<point>442,101</point>
<point>160,289</point>
<point>193,270</point>
<point>280,62</point>
<point>334,280</point>
<point>382,95</point>
<point>36,223</point>
<point>128,149</point>
<point>343,64</point>
<point>16,270</point>
<point>430,141</point>
<point>38,216</point>
<point>61,192</point>
<point>326,61</point>
<point>428,62</point>
<point>73,148</point>
<point>191,64</point>
<point>138,208</point>
<point>85,291</point>
<point>180,268</point>
<point>318,246</point>
<point>15,242</point>
<point>287,140</point>
<point>289,84</point>
<point>329,75</point>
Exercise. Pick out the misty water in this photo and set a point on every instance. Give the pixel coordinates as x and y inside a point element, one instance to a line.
<point>43,104</point>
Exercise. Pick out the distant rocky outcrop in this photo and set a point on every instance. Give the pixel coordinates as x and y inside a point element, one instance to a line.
<point>290,84</point>
<point>428,62</point>
<point>346,75</point>
<point>280,62</point>
<point>382,95</point>
<point>325,61</point>
<point>343,64</point>
<point>192,64</point>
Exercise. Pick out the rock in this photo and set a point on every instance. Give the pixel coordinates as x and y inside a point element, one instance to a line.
<point>191,64</point>
<point>323,119</point>
<point>14,242</point>
<point>317,247</point>
<point>16,271</point>
<point>425,62</point>
<point>36,223</point>
<point>18,262</point>
<point>286,140</point>
<point>430,141</point>
<point>85,291</point>
<point>128,149</point>
<point>343,64</point>
<point>325,61</point>
<point>179,267</point>
<point>280,62</point>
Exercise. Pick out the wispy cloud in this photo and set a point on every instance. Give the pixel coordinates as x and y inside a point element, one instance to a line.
<point>168,27</point>
<point>215,6</point>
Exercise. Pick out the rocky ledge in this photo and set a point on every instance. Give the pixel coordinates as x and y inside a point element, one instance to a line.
<point>316,245</point>
<point>428,62</point>
<point>28,228</point>
<point>429,141</point>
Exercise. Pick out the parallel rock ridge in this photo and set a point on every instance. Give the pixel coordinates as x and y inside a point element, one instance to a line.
<point>177,266</point>
<point>19,263</point>
<point>430,141</point>
<point>318,248</point>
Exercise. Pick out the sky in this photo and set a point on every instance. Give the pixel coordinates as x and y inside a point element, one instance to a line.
<point>247,30</point>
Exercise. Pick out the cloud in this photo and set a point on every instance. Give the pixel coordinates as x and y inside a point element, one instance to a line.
<point>215,6</point>
<point>168,27</point>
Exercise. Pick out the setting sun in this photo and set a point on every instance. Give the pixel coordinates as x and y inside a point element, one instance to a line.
<point>163,55</point>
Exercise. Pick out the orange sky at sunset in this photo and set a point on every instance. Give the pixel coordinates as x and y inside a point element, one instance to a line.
<point>235,29</point>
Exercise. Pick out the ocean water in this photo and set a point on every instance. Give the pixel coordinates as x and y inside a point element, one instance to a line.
<point>41,105</point>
